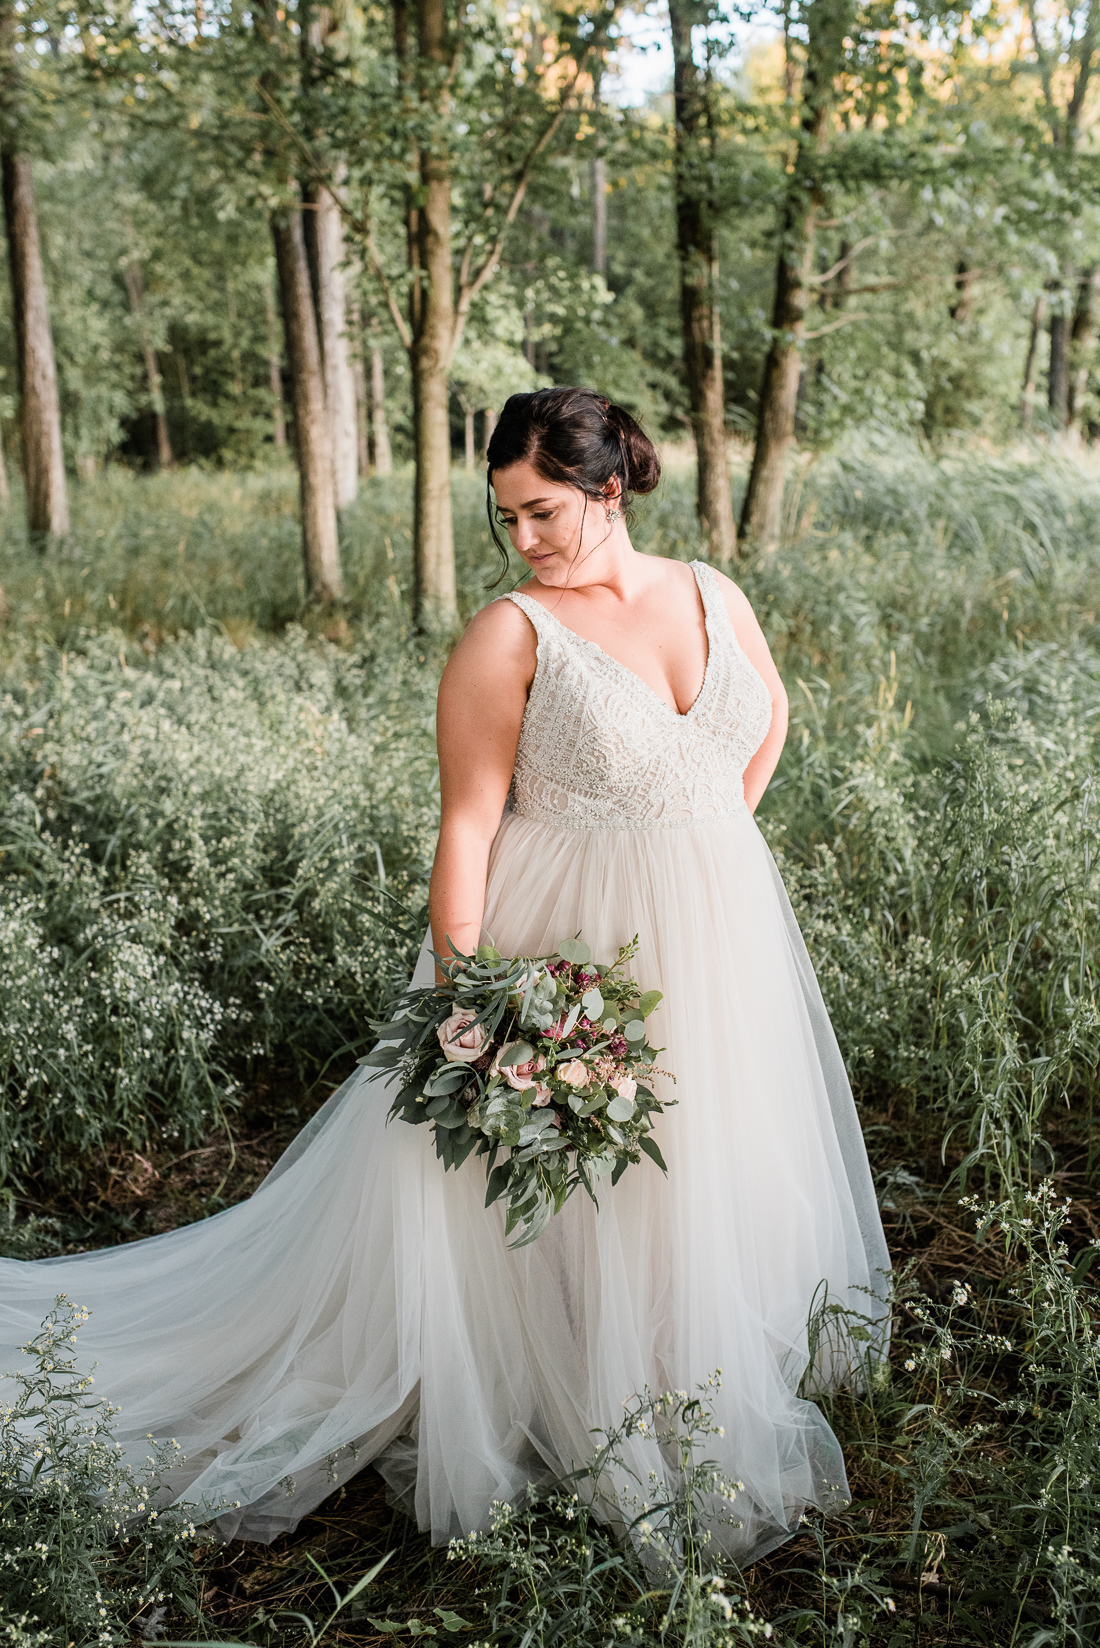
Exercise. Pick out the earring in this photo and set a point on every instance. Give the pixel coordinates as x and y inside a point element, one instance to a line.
<point>614,515</point>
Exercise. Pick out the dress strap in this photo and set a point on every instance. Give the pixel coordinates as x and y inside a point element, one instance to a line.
<point>540,618</point>
<point>717,615</point>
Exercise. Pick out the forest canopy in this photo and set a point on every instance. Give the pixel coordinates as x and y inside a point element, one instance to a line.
<point>357,229</point>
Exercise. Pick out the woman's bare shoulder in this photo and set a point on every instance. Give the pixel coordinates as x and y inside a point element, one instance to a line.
<point>498,647</point>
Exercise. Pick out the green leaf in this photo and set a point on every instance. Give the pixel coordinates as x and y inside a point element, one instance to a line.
<point>592,1002</point>
<point>649,1002</point>
<point>519,1053</point>
<point>383,1058</point>
<point>454,1622</point>
<point>635,1030</point>
<point>620,1109</point>
<point>497,1182</point>
<point>575,951</point>
<point>649,1145</point>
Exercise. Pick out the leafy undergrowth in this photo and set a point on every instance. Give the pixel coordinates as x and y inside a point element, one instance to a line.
<point>215,828</point>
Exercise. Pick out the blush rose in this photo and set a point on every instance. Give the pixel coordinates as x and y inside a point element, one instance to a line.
<point>461,1039</point>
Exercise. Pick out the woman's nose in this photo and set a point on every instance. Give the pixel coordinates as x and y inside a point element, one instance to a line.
<point>526,535</point>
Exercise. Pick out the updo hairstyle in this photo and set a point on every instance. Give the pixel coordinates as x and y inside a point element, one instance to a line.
<point>573,437</point>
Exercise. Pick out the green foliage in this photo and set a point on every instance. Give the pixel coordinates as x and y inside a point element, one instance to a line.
<point>207,859</point>
<point>84,1555</point>
<point>620,1560</point>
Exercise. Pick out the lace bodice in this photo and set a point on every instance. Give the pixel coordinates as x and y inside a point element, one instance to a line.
<point>600,750</point>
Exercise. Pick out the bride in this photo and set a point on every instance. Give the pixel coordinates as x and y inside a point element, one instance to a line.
<point>605,735</point>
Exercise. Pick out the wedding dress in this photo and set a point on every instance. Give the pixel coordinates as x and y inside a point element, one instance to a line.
<point>363,1306</point>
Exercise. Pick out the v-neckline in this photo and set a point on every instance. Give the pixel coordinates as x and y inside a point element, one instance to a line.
<point>680,715</point>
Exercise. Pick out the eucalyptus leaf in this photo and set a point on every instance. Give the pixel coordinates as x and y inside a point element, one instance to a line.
<point>649,1001</point>
<point>592,1002</point>
<point>520,1052</point>
<point>575,951</point>
<point>620,1109</point>
<point>634,1030</point>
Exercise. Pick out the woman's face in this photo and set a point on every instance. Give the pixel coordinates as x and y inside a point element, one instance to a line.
<point>554,527</point>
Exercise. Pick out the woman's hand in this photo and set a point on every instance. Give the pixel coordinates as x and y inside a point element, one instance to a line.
<point>482,698</point>
<point>751,637</point>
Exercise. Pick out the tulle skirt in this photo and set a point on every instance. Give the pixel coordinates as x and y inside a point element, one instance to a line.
<point>362,1305</point>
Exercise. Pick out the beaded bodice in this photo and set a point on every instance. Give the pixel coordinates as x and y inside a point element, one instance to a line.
<point>600,750</point>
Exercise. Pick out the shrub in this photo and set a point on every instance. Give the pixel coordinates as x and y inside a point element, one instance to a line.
<point>207,860</point>
<point>83,1556</point>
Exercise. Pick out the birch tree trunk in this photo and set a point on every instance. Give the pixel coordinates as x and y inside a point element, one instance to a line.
<point>332,315</point>
<point>762,515</point>
<point>135,287</point>
<point>39,409</point>
<point>696,245</point>
<point>320,545</point>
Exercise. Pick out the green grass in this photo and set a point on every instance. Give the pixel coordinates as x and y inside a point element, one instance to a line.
<point>216,817</point>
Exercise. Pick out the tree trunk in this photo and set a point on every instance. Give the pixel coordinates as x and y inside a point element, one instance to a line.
<point>490,424</point>
<point>5,494</point>
<point>362,417</point>
<point>599,215</point>
<point>964,292</point>
<point>383,458</point>
<point>762,515</point>
<point>433,530</point>
<point>275,373</point>
<point>331,296</point>
<point>468,430</point>
<point>702,345</point>
<point>39,409</point>
<point>1058,374</point>
<point>135,287</point>
<point>1028,398</point>
<point>1080,348</point>
<point>599,196</point>
<point>320,545</point>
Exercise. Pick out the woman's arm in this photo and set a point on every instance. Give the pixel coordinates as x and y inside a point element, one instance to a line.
<point>482,697</point>
<point>759,770</point>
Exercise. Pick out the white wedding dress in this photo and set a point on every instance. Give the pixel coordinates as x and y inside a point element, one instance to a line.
<point>362,1305</point>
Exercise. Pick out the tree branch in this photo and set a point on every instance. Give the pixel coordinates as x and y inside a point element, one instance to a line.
<point>860,245</point>
<point>361,225</point>
<point>469,289</point>
<point>845,320</point>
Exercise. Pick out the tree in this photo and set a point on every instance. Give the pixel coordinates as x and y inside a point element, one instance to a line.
<point>320,547</point>
<point>136,290</point>
<point>1065,40</point>
<point>442,287</point>
<point>696,244</point>
<point>827,24</point>
<point>39,407</point>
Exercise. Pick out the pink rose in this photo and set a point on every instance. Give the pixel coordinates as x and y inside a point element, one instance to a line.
<point>542,1094</point>
<point>626,1088</point>
<point>461,1045</point>
<point>518,1076</point>
<point>575,1073</point>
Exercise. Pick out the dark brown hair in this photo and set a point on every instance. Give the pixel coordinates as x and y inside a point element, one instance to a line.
<point>572,437</point>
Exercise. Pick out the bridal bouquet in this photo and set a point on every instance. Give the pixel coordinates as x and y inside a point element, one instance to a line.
<point>545,1058</point>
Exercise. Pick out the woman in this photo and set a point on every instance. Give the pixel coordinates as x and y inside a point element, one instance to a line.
<point>624,716</point>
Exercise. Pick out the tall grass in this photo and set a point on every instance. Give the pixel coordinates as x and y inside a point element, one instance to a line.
<point>216,819</point>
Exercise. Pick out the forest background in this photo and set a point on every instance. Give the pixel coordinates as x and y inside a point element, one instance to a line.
<point>273,273</point>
